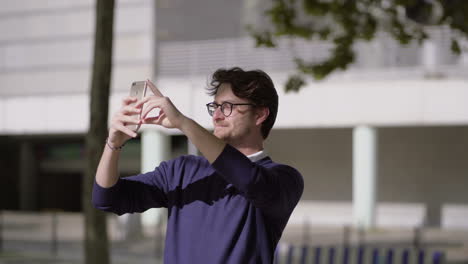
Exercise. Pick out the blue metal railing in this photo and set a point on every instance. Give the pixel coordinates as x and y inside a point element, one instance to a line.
<point>356,255</point>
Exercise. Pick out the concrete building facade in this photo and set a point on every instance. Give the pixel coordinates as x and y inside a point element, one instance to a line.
<point>412,101</point>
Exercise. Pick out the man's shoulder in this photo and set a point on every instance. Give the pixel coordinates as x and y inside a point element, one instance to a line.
<point>269,163</point>
<point>281,168</point>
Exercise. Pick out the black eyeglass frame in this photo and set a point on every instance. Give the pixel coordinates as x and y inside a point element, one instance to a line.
<point>211,113</point>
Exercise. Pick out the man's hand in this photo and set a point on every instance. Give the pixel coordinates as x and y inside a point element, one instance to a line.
<point>127,115</point>
<point>169,116</point>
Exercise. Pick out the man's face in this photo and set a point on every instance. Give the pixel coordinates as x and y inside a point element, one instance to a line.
<point>240,124</point>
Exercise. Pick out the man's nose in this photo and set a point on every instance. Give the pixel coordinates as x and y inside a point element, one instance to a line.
<point>218,114</point>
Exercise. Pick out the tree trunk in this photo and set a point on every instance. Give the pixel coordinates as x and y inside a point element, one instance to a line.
<point>96,241</point>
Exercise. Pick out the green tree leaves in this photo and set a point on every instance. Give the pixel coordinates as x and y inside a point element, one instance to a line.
<point>345,22</point>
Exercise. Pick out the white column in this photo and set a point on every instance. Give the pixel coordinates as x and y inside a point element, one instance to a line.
<point>463,60</point>
<point>364,176</point>
<point>191,149</point>
<point>434,54</point>
<point>155,148</point>
<point>430,58</point>
<point>252,11</point>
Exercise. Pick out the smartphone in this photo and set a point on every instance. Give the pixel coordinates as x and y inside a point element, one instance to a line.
<point>138,90</point>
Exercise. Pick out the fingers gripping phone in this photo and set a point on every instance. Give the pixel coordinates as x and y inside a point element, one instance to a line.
<point>138,90</point>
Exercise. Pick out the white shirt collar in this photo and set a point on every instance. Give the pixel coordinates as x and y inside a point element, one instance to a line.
<point>257,156</point>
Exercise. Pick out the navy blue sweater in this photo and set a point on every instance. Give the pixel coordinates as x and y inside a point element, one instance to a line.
<point>232,211</point>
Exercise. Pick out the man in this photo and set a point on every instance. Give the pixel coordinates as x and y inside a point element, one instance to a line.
<point>229,206</point>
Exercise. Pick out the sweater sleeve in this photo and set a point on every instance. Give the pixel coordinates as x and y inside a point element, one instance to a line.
<point>275,190</point>
<point>133,194</point>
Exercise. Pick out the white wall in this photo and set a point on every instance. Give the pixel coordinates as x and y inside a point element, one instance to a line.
<point>328,104</point>
<point>46,48</point>
<point>46,56</point>
<point>425,165</point>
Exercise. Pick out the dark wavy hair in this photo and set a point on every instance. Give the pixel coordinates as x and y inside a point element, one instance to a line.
<point>255,86</point>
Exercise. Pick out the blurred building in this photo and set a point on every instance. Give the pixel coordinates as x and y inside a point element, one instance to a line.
<point>402,111</point>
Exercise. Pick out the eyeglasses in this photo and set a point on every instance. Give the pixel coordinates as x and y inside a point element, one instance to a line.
<point>226,108</point>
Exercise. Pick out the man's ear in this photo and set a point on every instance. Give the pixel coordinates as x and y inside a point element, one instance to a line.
<point>262,114</point>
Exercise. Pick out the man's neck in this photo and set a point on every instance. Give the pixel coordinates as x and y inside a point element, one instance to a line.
<point>249,145</point>
<point>248,149</point>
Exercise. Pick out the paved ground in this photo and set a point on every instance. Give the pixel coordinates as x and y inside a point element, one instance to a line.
<point>27,238</point>
<point>20,251</point>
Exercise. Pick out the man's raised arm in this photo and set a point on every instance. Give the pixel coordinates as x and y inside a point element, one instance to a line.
<point>107,171</point>
<point>170,117</point>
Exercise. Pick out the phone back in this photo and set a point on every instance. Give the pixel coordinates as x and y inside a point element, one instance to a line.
<point>137,90</point>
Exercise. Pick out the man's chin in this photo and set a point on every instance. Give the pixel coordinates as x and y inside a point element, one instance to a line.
<point>220,135</point>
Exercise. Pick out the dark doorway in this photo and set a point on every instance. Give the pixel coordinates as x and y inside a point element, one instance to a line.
<point>60,191</point>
